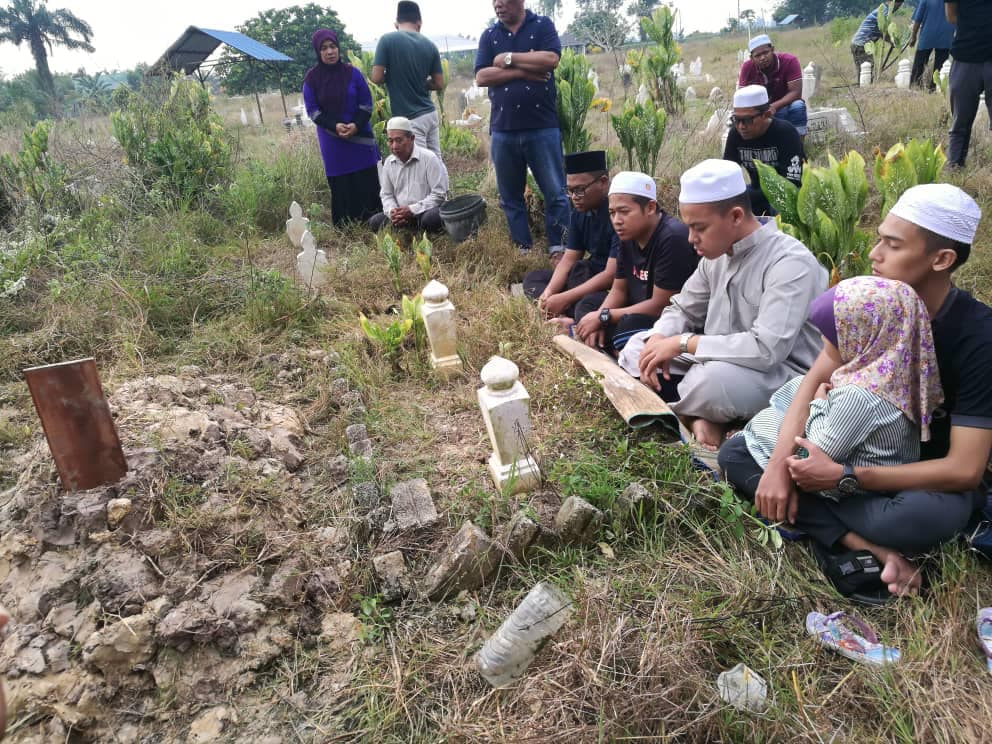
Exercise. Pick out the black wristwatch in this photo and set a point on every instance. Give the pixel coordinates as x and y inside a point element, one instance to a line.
<point>604,316</point>
<point>848,484</point>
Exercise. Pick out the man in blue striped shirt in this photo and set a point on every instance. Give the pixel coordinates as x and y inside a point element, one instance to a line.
<point>868,31</point>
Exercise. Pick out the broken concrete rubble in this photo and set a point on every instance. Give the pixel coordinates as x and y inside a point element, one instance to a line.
<point>412,505</point>
<point>577,521</point>
<point>394,577</point>
<point>467,563</point>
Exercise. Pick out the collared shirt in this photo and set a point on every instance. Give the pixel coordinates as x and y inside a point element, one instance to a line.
<point>520,104</point>
<point>420,183</point>
<point>593,232</point>
<point>868,30</point>
<point>936,32</point>
<point>752,306</point>
<point>785,69</point>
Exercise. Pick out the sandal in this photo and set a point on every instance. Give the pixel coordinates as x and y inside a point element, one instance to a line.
<point>851,637</point>
<point>856,574</point>
<point>984,627</point>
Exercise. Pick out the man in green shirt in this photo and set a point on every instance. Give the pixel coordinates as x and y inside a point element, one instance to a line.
<point>410,65</point>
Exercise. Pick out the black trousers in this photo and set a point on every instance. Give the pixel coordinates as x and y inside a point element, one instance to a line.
<point>535,282</point>
<point>911,522</point>
<point>429,220</point>
<point>617,334</point>
<point>920,60</point>
<point>354,196</point>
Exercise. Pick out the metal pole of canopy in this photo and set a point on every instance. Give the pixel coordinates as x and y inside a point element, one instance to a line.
<point>258,102</point>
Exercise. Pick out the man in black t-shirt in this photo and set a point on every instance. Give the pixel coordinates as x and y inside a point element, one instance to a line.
<point>971,72</point>
<point>758,135</point>
<point>589,232</point>
<point>653,261</point>
<point>900,512</point>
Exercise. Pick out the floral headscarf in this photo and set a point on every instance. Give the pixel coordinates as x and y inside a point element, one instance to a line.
<point>885,341</point>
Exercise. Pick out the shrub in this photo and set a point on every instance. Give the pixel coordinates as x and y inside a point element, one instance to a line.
<point>575,95</point>
<point>641,130</point>
<point>32,175</point>
<point>457,141</point>
<point>180,147</point>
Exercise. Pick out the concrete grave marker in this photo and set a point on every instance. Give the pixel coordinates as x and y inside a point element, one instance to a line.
<point>505,406</point>
<point>296,225</point>
<point>442,333</point>
<point>690,93</point>
<point>904,73</point>
<point>311,263</point>
<point>945,70</point>
<point>809,81</point>
<point>696,66</point>
<point>865,78</point>
<point>821,121</point>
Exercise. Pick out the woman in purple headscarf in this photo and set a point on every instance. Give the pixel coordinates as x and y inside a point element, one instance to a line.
<point>340,104</point>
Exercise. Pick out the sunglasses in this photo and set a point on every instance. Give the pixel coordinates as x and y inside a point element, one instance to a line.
<point>579,191</point>
<point>744,121</point>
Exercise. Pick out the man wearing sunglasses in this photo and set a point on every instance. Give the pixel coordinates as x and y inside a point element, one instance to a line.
<point>757,135</point>
<point>589,232</point>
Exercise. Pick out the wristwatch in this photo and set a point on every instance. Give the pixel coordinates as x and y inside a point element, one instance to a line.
<point>508,59</point>
<point>848,484</point>
<point>604,316</point>
<point>684,342</point>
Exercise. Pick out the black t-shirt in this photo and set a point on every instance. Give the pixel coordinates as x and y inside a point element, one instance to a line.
<point>962,338</point>
<point>593,232</point>
<point>973,34</point>
<point>781,147</point>
<point>668,260</point>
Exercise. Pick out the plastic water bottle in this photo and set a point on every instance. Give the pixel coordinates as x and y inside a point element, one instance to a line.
<point>509,651</point>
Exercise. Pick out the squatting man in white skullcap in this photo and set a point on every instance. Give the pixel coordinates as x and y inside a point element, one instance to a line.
<point>413,182</point>
<point>901,511</point>
<point>738,330</point>
<point>653,261</point>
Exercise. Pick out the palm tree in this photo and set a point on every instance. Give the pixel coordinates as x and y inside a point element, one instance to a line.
<point>43,29</point>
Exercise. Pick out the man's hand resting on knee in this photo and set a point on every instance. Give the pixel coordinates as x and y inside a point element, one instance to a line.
<point>776,497</point>
<point>658,351</point>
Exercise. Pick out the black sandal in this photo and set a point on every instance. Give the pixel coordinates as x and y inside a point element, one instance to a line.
<point>856,574</point>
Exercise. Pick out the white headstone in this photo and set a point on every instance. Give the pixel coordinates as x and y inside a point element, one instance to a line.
<point>708,78</point>
<point>903,75</point>
<point>945,70</point>
<point>690,93</point>
<point>696,66</point>
<point>741,56</point>
<point>865,78</point>
<point>439,319</point>
<point>716,95</point>
<point>244,118</point>
<point>255,116</point>
<point>505,406</point>
<point>809,81</point>
<point>296,225</point>
<point>821,121</point>
<point>312,263</point>
<point>642,94</point>
<point>594,79</point>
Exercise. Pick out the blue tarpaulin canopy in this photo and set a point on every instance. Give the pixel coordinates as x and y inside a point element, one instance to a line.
<point>196,44</point>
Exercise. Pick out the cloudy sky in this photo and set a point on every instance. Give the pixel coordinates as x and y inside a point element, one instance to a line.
<point>128,33</point>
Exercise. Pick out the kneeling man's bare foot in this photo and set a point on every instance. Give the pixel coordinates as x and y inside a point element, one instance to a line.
<point>902,576</point>
<point>562,321</point>
<point>707,433</point>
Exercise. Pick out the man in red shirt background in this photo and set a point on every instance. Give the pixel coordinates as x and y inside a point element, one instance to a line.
<point>782,77</point>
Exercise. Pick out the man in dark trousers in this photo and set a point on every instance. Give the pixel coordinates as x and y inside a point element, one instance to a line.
<point>971,71</point>
<point>758,135</point>
<point>589,233</point>
<point>410,65</point>
<point>653,262</point>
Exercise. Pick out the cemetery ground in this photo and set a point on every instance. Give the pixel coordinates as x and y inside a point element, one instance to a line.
<point>233,596</point>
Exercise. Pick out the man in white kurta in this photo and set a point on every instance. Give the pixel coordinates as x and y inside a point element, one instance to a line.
<point>739,328</point>
<point>413,182</point>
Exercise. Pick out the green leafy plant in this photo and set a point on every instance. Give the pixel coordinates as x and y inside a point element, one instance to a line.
<point>457,140</point>
<point>394,258</point>
<point>380,101</point>
<point>653,63</point>
<point>575,96</point>
<point>737,515</point>
<point>640,127</point>
<point>422,252</point>
<point>410,310</point>
<point>893,42</point>
<point>390,336</point>
<point>824,211</point>
<point>32,174</point>
<point>904,166</point>
<point>376,617</point>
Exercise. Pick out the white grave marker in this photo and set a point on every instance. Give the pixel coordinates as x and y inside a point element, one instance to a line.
<point>442,333</point>
<point>296,225</point>
<point>505,406</point>
<point>904,73</point>
<point>865,78</point>
<point>312,263</point>
<point>809,81</point>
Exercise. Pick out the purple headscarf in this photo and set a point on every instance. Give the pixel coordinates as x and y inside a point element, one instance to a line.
<point>329,83</point>
<point>821,315</point>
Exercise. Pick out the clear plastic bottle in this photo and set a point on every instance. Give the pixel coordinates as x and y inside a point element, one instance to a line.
<point>509,651</point>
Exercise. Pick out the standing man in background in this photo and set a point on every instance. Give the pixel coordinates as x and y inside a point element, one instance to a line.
<point>937,37</point>
<point>516,60</point>
<point>971,72</point>
<point>410,65</point>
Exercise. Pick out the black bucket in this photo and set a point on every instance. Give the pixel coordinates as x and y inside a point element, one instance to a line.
<point>463,215</point>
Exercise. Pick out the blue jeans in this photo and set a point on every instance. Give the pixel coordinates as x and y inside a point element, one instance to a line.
<point>795,114</point>
<point>511,153</point>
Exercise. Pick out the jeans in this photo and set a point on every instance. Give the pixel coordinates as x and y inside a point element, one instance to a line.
<point>512,152</point>
<point>795,114</point>
<point>967,81</point>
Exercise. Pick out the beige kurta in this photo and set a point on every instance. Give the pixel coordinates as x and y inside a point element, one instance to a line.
<point>751,310</point>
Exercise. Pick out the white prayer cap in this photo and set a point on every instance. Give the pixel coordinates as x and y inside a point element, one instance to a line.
<point>711,181</point>
<point>751,96</point>
<point>759,40</point>
<point>401,123</point>
<point>940,208</point>
<point>634,183</point>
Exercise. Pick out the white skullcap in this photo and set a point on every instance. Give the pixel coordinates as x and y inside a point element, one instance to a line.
<point>759,40</point>
<point>634,183</point>
<point>711,181</point>
<point>401,123</point>
<point>940,208</point>
<point>751,96</point>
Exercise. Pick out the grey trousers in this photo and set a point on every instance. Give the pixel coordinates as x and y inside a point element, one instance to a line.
<point>967,82</point>
<point>911,522</point>
<point>427,132</point>
<point>716,391</point>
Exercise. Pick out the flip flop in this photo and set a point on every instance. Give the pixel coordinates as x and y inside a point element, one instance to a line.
<point>851,637</point>
<point>984,627</point>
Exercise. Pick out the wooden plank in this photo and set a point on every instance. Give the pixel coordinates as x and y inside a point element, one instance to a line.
<point>78,424</point>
